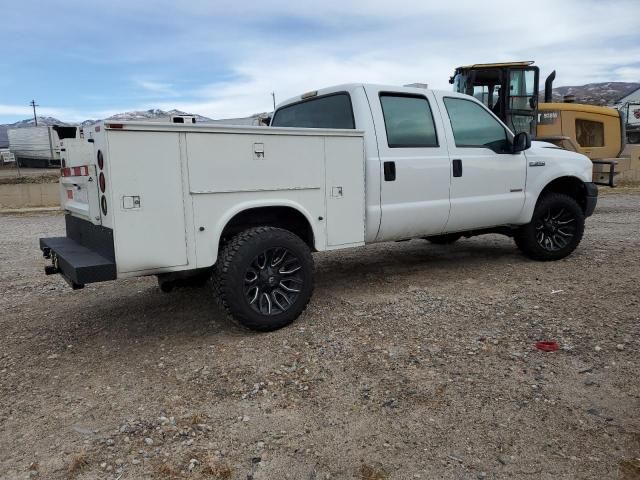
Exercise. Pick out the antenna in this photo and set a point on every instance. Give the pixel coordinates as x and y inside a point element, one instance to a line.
<point>273,95</point>
<point>35,117</point>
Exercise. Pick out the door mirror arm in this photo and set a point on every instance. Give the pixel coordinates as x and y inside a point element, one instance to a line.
<point>521,142</point>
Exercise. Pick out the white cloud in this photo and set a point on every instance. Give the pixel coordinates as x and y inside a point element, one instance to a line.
<point>289,46</point>
<point>404,42</point>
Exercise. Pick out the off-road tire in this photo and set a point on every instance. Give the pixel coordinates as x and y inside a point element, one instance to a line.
<point>528,238</point>
<point>235,261</point>
<point>446,239</point>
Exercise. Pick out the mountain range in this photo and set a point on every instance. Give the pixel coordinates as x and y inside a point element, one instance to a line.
<point>605,93</point>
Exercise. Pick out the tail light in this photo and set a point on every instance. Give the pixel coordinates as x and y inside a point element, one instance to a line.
<point>102,182</point>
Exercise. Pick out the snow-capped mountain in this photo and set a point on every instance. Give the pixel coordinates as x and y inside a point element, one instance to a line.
<point>605,93</point>
<point>152,114</point>
<point>29,122</point>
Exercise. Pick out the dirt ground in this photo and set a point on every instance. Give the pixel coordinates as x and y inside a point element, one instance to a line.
<point>412,361</point>
<point>10,171</point>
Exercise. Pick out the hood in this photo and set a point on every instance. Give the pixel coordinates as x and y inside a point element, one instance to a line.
<point>571,163</point>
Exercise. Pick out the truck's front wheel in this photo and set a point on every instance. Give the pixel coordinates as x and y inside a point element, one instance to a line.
<point>555,229</point>
<point>265,277</point>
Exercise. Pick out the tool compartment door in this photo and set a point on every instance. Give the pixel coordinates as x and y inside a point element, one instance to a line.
<point>147,200</point>
<point>345,194</point>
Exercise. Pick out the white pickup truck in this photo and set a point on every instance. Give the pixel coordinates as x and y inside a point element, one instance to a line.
<point>337,168</point>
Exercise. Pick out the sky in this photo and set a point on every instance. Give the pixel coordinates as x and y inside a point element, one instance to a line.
<point>86,60</point>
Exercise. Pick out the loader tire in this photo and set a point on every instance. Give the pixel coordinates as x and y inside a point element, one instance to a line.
<point>264,277</point>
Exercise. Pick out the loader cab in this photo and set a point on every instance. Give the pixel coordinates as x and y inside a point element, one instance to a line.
<point>509,90</point>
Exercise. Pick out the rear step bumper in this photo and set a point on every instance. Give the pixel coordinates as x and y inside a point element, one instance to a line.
<point>76,263</point>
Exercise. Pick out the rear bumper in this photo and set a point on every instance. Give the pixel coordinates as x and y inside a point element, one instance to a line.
<point>76,263</point>
<point>85,255</point>
<point>591,199</point>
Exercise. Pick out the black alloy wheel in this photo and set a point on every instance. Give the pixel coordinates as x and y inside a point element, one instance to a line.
<point>273,281</point>
<point>556,229</point>
<point>264,277</point>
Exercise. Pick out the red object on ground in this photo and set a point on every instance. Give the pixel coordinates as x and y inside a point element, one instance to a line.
<point>546,346</point>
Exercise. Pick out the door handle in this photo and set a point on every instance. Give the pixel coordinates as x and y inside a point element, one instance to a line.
<point>457,167</point>
<point>389,171</point>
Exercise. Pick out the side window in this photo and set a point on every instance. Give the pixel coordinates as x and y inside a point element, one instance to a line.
<point>473,126</point>
<point>589,133</point>
<point>330,111</point>
<point>408,121</point>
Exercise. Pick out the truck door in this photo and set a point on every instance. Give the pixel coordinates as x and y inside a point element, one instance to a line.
<point>415,162</point>
<point>522,100</point>
<point>487,182</point>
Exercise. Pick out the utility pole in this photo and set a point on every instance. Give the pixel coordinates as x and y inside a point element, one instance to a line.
<point>273,95</point>
<point>34,105</point>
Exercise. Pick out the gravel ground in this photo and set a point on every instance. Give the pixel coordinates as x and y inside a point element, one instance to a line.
<point>412,361</point>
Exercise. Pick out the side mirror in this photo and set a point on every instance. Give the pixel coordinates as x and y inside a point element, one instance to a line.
<point>521,142</point>
<point>265,121</point>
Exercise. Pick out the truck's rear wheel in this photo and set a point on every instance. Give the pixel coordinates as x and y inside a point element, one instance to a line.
<point>446,239</point>
<point>555,229</point>
<point>265,277</point>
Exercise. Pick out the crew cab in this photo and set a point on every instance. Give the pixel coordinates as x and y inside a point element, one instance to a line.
<point>243,208</point>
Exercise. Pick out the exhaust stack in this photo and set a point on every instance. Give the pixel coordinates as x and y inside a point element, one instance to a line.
<point>548,87</point>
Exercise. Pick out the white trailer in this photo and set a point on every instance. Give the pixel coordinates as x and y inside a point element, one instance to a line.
<point>246,206</point>
<point>39,146</point>
<point>629,107</point>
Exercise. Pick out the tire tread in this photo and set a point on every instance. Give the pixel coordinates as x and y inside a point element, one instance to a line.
<point>228,256</point>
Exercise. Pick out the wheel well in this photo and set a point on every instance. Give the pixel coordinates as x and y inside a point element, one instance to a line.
<point>572,186</point>
<point>287,218</point>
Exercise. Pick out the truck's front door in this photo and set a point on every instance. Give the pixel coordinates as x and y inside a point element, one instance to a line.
<point>415,164</point>
<point>487,181</point>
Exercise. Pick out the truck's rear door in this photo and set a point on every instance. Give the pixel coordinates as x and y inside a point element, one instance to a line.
<point>415,163</point>
<point>79,181</point>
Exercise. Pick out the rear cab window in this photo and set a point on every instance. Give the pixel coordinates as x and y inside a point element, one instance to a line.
<point>408,121</point>
<point>328,111</point>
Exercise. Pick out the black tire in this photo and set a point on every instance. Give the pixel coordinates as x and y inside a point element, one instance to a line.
<point>446,239</point>
<point>555,230</point>
<point>264,277</point>
<point>633,137</point>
